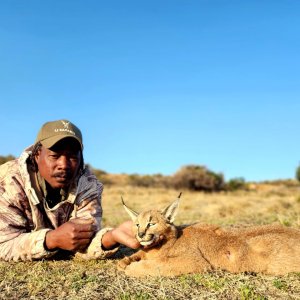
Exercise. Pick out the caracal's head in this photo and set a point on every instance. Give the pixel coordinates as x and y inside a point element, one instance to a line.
<point>152,226</point>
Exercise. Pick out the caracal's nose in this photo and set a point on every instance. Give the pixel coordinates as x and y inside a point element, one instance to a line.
<point>141,234</point>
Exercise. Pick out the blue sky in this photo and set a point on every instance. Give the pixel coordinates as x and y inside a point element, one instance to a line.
<point>156,85</point>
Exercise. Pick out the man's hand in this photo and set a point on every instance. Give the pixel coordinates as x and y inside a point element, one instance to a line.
<point>121,235</point>
<point>73,235</point>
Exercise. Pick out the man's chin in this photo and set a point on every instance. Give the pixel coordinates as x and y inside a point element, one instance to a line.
<point>61,183</point>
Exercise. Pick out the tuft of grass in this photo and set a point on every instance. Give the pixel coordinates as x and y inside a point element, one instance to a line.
<point>135,296</point>
<point>247,292</point>
<point>280,284</point>
<point>297,199</point>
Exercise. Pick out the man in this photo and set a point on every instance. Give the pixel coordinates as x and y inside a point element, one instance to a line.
<point>49,201</point>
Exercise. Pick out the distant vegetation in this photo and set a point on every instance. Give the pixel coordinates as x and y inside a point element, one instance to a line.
<point>4,159</point>
<point>190,177</point>
<point>298,173</point>
<point>198,178</point>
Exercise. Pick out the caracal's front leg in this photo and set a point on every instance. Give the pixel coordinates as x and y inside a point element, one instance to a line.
<point>127,260</point>
<point>166,267</point>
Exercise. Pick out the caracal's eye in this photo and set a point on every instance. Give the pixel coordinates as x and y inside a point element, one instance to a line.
<point>137,225</point>
<point>152,224</point>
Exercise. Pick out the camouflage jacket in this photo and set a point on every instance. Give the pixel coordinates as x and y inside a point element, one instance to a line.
<point>25,217</point>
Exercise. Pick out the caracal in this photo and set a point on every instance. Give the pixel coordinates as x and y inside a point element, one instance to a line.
<point>169,250</point>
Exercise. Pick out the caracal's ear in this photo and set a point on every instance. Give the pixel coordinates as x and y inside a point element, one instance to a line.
<point>170,211</point>
<point>133,215</point>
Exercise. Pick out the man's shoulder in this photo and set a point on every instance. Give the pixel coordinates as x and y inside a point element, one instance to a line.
<point>88,187</point>
<point>8,169</point>
<point>88,178</point>
<point>15,172</point>
<point>88,174</point>
<point>17,165</point>
<point>11,183</point>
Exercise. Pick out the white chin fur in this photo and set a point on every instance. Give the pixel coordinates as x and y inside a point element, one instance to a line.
<point>147,243</point>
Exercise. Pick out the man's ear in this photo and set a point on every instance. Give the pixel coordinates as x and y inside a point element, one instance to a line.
<point>37,156</point>
<point>170,211</point>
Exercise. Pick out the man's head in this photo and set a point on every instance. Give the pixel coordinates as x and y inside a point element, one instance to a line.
<point>60,156</point>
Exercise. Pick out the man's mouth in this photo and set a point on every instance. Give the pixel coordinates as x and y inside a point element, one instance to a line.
<point>62,177</point>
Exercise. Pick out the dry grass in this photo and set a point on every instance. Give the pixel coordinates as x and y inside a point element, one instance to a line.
<point>267,205</point>
<point>75,279</point>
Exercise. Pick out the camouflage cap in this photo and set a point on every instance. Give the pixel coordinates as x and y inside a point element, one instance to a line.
<point>54,131</point>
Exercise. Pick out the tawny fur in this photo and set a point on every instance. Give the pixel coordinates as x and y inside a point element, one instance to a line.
<point>198,248</point>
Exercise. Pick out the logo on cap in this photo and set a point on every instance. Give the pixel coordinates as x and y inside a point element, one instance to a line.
<point>65,128</point>
<point>66,124</point>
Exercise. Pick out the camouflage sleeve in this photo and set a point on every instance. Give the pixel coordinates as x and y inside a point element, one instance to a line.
<point>95,250</point>
<point>16,243</point>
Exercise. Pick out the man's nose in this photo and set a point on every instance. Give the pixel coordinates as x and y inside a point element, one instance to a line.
<point>63,162</point>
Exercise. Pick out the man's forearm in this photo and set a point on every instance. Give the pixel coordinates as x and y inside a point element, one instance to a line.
<point>120,235</point>
<point>108,241</point>
<point>25,247</point>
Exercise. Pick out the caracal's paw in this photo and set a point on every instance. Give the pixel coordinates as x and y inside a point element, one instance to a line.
<point>130,268</point>
<point>124,263</point>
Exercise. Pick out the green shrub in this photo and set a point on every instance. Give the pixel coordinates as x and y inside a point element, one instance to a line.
<point>101,175</point>
<point>141,180</point>
<point>198,178</point>
<point>298,173</point>
<point>236,184</point>
<point>156,180</point>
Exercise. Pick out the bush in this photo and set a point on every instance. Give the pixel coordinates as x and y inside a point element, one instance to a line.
<point>156,180</point>
<point>141,180</point>
<point>97,172</point>
<point>298,173</point>
<point>236,184</point>
<point>198,178</point>
<point>101,175</point>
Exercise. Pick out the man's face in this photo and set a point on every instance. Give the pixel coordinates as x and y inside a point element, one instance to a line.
<point>60,164</point>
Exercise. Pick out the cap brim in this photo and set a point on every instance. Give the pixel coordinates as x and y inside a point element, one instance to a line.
<point>51,141</point>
